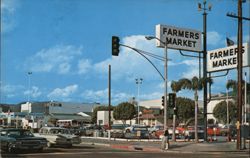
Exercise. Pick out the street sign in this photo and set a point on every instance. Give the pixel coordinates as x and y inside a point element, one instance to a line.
<point>226,58</point>
<point>178,38</point>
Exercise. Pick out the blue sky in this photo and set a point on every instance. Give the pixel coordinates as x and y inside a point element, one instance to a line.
<point>66,44</point>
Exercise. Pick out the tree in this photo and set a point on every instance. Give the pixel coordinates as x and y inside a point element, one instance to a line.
<point>195,84</point>
<point>185,109</point>
<point>232,84</point>
<point>220,112</point>
<point>99,108</point>
<point>176,87</point>
<point>124,111</point>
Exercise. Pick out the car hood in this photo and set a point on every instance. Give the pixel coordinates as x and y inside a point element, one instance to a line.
<point>68,136</point>
<point>30,138</point>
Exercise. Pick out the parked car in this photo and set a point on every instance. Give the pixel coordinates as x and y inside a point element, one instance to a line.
<point>20,139</point>
<point>90,130</point>
<point>58,136</point>
<point>117,130</point>
<point>213,130</point>
<point>190,132</point>
<point>155,128</point>
<point>136,131</point>
<point>79,131</point>
<point>160,133</point>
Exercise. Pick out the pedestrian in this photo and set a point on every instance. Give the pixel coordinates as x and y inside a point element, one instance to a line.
<point>165,140</point>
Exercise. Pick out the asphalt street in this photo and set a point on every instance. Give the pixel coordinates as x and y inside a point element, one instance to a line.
<point>94,151</point>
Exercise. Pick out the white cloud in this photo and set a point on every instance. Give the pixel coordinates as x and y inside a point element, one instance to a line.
<point>63,68</point>
<point>150,96</point>
<point>102,96</point>
<point>34,92</point>
<point>130,63</point>
<point>8,8</point>
<point>214,38</point>
<point>192,69</point>
<point>191,73</point>
<point>62,93</point>
<point>57,59</point>
<point>11,90</point>
<point>84,65</point>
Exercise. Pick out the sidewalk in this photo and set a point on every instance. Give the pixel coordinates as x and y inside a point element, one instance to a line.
<point>177,147</point>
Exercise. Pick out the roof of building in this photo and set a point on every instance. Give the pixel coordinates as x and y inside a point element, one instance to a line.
<point>71,108</point>
<point>70,117</point>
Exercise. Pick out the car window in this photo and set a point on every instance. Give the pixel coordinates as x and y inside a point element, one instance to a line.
<point>118,127</point>
<point>27,134</point>
<point>14,134</point>
<point>3,133</point>
<point>59,131</point>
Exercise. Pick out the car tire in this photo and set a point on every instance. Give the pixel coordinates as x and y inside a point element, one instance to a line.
<point>70,145</point>
<point>40,150</point>
<point>10,149</point>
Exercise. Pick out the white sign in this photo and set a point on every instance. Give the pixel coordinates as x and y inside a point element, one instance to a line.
<point>226,58</point>
<point>178,38</point>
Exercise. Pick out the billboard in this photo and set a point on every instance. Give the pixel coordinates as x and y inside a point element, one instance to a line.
<point>226,58</point>
<point>178,38</point>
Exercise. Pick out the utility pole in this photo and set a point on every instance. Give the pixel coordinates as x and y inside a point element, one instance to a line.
<point>239,60</point>
<point>138,81</point>
<point>239,71</point>
<point>109,95</point>
<point>204,8</point>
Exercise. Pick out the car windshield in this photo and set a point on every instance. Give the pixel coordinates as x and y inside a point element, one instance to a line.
<point>118,127</point>
<point>59,131</point>
<point>140,128</point>
<point>18,134</point>
<point>159,127</point>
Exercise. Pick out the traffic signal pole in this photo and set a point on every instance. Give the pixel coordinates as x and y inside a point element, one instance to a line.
<point>165,88</point>
<point>239,71</point>
<point>239,60</point>
<point>205,72</point>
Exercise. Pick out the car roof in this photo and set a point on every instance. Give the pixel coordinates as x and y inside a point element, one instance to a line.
<point>53,128</point>
<point>14,129</point>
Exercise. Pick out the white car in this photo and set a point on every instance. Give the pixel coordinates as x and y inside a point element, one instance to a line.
<point>58,136</point>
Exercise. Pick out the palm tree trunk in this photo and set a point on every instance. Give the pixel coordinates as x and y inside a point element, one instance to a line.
<point>174,118</point>
<point>173,134</point>
<point>196,119</point>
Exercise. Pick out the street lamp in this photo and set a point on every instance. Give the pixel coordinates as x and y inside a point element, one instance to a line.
<point>165,79</point>
<point>29,74</point>
<point>200,8</point>
<point>138,81</point>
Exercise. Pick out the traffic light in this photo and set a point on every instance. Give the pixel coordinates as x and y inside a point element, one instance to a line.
<point>163,101</point>
<point>171,100</point>
<point>115,45</point>
<point>175,110</point>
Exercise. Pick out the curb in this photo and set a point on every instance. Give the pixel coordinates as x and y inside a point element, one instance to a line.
<point>158,149</point>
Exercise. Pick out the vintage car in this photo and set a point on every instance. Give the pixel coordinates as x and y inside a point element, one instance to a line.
<point>13,140</point>
<point>136,131</point>
<point>117,130</point>
<point>190,132</point>
<point>58,136</point>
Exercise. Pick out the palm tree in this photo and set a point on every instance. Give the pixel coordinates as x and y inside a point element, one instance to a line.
<point>176,87</point>
<point>232,84</point>
<point>195,84</point>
